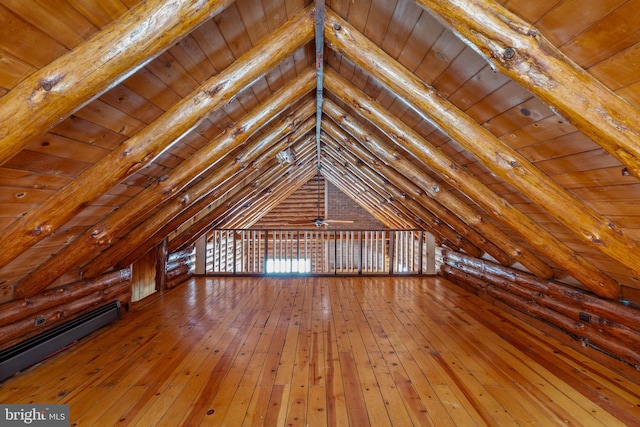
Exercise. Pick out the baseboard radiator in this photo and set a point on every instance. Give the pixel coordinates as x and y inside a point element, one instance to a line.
<point>39,347</point>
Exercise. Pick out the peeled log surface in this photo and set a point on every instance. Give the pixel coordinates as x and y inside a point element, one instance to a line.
<point>179,275</point>
<point>57,90</point>
<point>116,224</point>
<point>579,329</point>
<point>432,189</point>
<point>610,310</point>
<point>519,51</point>
<point>432,223</point>
<point>501,209</point>
<point>270,191</point>
<point>141,149</point>
<point>622,343</point>
<point>162,256</point>
<point>237,198</point>
<point>626,335</point>
<point>67,308</point>
<point>29,307</point>
<point>587,224</point>
<point>146,235</point>
<point>403,189</point>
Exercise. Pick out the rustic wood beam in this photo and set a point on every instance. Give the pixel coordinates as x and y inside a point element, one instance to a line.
<point>238,199</point>
<point>387,158</point>
<point>158,228</point>
<point>375,201</point>
<point>247,164</point>
<point>146,145</point>
<point>115,225</point>
<point>351,165</point>
<point>521,52</point>
<point>57,90</point>
<point>405,137</point>
<point>591,227</point>
<point>272,192</point>
<point>372,194</point>
<point>203,194</point>
<point>383,156</point>
<point>380,208</point>
<point>406,192</point>
<point>245,219</point>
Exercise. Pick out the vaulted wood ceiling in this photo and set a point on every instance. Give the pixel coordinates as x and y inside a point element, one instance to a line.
<point>505,128</point>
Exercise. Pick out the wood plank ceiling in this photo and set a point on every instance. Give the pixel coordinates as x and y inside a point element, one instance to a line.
<point>508,128</point>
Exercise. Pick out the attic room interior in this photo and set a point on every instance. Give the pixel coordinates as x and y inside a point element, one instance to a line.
<point>331,212</point>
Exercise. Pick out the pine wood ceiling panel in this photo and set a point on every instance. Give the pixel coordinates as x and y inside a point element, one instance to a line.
<point>559,29</point>
<point>18,37</point>
<point>617,31</point>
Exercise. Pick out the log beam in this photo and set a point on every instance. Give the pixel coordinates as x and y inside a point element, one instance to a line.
<point>115,225</point>
<point>271,190</point>
<point>380,205</point>
<point>591,227</point>
<point>146,145</point>
<point>501,209</point>
<point>54,92</point>
<point>203,194</point>
<point>351,165</point>
<point>521,52</point>
<point>403,189</point>
<point>238,199</point>
<point>614,311</point>
<point>386,157</point>
<point>248,163</point>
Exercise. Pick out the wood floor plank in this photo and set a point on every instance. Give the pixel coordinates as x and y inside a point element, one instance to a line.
<point>324,351</point>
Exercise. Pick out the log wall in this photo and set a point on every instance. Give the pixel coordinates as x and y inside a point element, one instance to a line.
<point>60,304</point>
<point>181,266</point>
<point>609,327</point>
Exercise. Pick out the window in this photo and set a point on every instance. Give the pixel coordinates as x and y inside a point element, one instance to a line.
<point>288,265</point>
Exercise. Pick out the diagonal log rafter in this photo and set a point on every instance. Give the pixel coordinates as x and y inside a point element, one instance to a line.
<point>244,198</point>
<point>373,197</point>
<point>540,239</point>
<point>406,191</point>
<point>238,167</point>
<point>386,211</point>
<point>352,166</point>
<point>591,227</point>
<point>142,148</point>
<point>204,159</point>
<point>414,212</point>
<point>521,52</point>
<point>84,73</point>
<point>393,160</point>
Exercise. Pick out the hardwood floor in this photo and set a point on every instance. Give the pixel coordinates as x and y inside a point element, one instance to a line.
<point>324,351</point>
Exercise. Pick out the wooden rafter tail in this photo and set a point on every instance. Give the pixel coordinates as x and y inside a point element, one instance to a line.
<point>142,148</point>
<point>430,221</point>
<point>393,159</point>
<point>116,224</point>
<point>501,209</point>
<point>521,52</point>
<point>57,90</point>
